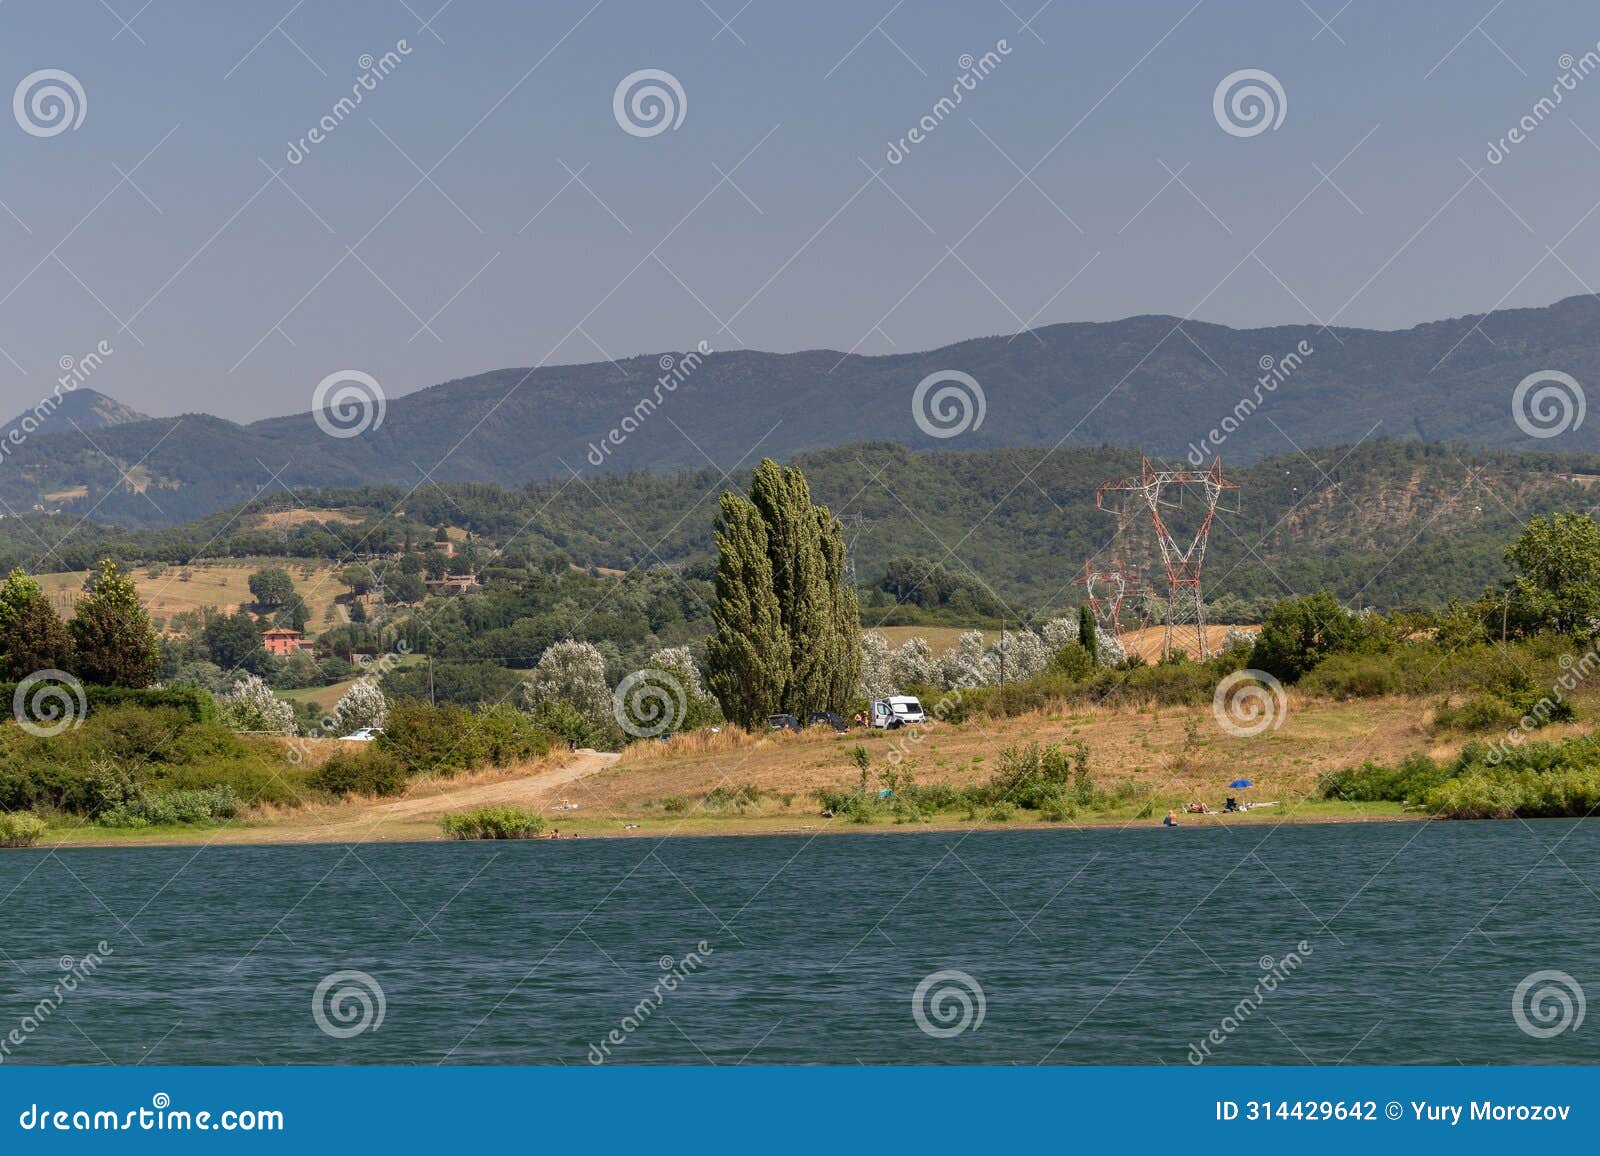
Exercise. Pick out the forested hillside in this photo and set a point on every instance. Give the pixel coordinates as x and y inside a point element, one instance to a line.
<point>1387,524</point>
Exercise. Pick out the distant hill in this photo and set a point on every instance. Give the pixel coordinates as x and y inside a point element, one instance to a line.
<point>1390,523</point>
<point>1154,382</point>
<point>87,408</point>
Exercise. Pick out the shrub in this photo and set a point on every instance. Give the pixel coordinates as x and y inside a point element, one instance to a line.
<point>20,829</point>
<point>1072,661</point>
<point>1347,676</point>
<point>1373,782</point>
<point>1491,711</point>
<point>192,700</point>
<point>509,736</point>
<point>172,807</point>
<point>493,823</point>
<point>73,771</point>
<point>369,772</point>
<point>565,721</point>
<point>1035,777</point>
<point>433,739</point>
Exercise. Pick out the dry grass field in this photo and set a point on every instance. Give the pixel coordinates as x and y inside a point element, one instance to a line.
<point>221,584</point>
<point>288,519</point>
<point>1174,755</point>
<point>1145,643</point>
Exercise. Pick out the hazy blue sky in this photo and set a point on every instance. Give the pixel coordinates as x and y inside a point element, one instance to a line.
<point>225,289</point>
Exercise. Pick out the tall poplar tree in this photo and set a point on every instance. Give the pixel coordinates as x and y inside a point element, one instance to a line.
<point>747,656</point>
<point>797,585</point>
<point>844,657</point>
<point>800,581</point>
<point>1086,633</point>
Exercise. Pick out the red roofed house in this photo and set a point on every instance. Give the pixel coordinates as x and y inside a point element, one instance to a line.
<point>282,641</point>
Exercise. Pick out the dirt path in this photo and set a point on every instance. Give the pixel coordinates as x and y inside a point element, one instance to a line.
<point>524,792</point>
<point>403,819</point>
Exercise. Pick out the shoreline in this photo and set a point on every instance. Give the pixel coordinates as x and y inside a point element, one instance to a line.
<point>270,834</point>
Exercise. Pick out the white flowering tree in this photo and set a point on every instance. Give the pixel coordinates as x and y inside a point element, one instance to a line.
<point>877,680</point>
<point>251,706</point>
<point>1024,656</point>
<point>1109,651</point>
<point>913,664</point>
<point>1057,632</point>
<point>680,664</point>
<point>1237,639</point>
<point>967,665</point>
<point>574,673</point>
<point>363,705</point>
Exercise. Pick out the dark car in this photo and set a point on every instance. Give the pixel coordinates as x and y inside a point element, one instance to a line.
<point>819,718</point>
<point>783,722</point>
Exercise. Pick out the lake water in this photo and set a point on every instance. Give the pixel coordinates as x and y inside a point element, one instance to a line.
<point>1121,946</point>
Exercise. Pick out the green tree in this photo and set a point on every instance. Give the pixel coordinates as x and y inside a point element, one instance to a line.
<point>1557,584</point>
<point>1300,632</point>
<point>111,633</point>
<point>406,588</point>
<point>799,581</point>
<point>32,637</point>
<point>233,642</point>
<point>1086,633</point>
<point>844,614</point>
<point>271,586</point>
<point>747,655</point>
<point>294,613</point>
<point>358,578</point>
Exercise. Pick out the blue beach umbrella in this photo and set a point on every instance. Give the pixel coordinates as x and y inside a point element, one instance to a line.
<point>1240,784</point>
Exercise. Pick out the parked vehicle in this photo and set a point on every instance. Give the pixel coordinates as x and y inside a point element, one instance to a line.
<point>783,722</point>
<point>818,718</point>
<point>364,735</point>
<point>897,710</point>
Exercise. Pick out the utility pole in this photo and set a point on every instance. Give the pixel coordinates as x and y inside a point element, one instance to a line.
<point>1004,709</point>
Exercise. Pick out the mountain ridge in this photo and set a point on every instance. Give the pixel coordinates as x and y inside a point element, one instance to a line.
<point>1156,381</point>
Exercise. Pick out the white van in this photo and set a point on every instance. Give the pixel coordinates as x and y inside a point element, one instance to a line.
<point>897,710</point>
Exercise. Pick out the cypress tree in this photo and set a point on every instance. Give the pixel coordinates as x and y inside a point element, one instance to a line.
<point>747,656</point>
<point>1086,633</point>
